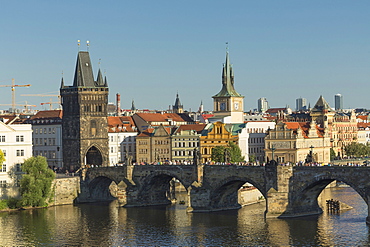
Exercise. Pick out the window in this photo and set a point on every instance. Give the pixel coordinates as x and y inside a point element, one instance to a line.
<point>4,152</point>
<point>2,138</point>
<point>36,130</point>
<point>3,168</point>
<point>3,183</point>
<point>18,167</point>
<point>20,152</point>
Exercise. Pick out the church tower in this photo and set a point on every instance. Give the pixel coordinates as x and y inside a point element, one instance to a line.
<point>228,103</point>
<point>84,125</point>
<point>177,107</point>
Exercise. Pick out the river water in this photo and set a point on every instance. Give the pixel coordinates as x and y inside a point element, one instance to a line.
<point>104,224</point>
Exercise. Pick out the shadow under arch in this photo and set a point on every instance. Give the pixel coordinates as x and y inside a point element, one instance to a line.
<point>304,201</point>
<point>102,189</point>
<point>225,196</point>
<point>159,189</point>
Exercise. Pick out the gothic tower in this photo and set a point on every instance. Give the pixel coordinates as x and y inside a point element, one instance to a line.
<point>228,103</point>
<point>84,125</point>
<point>177,107</point>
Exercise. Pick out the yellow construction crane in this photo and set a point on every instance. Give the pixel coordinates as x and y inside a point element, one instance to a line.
<point>45,95</point>
<point>13,86</point>
<point>50,103</point>
<point>24,105</point>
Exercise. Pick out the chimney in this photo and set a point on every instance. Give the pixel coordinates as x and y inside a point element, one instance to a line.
<point>118,98</point>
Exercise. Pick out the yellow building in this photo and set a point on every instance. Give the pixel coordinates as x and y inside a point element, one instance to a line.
<point>214,135</point>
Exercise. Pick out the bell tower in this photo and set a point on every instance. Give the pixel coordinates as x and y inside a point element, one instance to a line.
<point>84,125</point>
<point>228,102</point>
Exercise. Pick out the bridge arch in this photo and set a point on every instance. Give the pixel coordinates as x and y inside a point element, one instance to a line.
<point>102,188</point>
<point>93,156</point>
<point>304,199</point>
<point>158,188</point>
<point>225,193</point>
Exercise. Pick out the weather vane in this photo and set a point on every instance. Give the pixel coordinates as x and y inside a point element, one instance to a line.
<point>78,44</point>
<point>87,44</point>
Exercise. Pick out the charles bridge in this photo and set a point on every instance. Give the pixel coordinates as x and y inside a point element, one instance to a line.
<point>290,191</point>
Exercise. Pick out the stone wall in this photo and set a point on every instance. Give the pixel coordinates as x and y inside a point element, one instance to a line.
<point>66,190</point>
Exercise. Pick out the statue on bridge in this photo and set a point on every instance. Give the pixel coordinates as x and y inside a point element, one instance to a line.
<point>227,155</point>
<point>196,157</point>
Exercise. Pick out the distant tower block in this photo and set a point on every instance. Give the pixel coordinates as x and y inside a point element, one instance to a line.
<point>177,107</point>
<point>338,99</point>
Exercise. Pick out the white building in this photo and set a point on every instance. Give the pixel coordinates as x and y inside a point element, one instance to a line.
<point>122,140</point>
<point>252,139</point>
<point>47,136</point>
<point>16,144</point>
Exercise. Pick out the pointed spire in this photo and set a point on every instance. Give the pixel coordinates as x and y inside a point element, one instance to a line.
<point>62,83</point>
<point>227,80</point>
<point>105,81</point>
<point>99,79</point>
<point>133,108</point>
<point>321,105</point>
<point>83,73</point>
<point>177,107</point>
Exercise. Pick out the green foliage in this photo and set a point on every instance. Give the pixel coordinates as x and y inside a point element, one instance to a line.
<point>252,158</point>
<point>3,204</point>
<point>14,203</point>
<point>235,153</point>
<point>332,154</point>
<point>357,149</point>
<point>36,183</point>
<point>2,158</point>
<point>218,154</point>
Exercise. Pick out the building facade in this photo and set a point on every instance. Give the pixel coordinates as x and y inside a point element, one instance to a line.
<point>294,141</point>
<point>122,140</point>
<point>16,144</point>
<point>84,124</point>
<point>213,135</point>
<point>47,136</point>
<point>154,145</point>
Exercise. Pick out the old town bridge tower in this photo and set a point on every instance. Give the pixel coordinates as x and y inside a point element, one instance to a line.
<point>84,126</point>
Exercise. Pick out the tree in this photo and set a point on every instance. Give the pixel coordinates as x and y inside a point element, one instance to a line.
<point>36,183</point>
<point>235,153</point>
<point>218,154</point>
<point>332,154</point>
<point>2,159</point>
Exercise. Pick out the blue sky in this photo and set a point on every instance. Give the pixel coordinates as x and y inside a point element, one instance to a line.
<point>150,50</point>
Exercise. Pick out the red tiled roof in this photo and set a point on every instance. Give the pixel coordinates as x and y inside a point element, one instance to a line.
<point>362,117</point>
<point>275,110</point>
<point>48,114</point>
<point>196,127</point>
<point>121,124</point>
<point>304,127</point>
<point>363,125</point>
<point>159,117</point>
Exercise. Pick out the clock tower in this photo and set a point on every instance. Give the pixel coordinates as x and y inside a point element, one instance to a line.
<point>228,104</point>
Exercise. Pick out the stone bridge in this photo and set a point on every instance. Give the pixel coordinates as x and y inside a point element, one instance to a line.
<point>290,191</point>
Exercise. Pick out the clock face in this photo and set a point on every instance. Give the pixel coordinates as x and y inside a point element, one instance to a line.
<point>222,106</point>
<point>236,105</point>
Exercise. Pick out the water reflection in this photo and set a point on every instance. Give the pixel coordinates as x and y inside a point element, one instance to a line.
<point>107,225</point>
